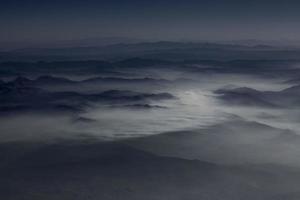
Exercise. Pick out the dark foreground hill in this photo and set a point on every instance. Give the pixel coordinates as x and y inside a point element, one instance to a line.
<point>112,171</point>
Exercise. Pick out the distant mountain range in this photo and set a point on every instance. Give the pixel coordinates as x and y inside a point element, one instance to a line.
<point>155,50</point>
<point>83,42</point>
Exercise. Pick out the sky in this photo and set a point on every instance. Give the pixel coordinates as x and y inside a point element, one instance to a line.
<point>33,21</point>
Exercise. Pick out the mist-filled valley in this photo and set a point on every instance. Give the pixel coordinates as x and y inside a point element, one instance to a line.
<point>150,121</point>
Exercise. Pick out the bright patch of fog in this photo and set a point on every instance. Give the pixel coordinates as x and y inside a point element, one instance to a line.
<point>192,109</point>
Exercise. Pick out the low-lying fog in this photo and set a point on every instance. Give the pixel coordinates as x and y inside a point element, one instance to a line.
<point>195,106</point>
<point>148,131</point>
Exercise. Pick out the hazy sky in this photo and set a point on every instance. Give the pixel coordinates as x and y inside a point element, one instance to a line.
<point>49,20</point>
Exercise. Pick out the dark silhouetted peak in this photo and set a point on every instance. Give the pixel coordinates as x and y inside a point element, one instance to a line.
<point>125,80</point>
<point>245,90</point>
<point>22,81</point>
<point>293,81</point>
<point>262,46</point>
<point>293,90</point>
<point>246,96</point>
<point>51,80</point>
<point>132,62</point>
<point>83,120</point>
<point>119,93</point>
<point>144,106</point>
<point>12,92</point>
<point>161,96</point>
<point>241,90</point>
<point>131,96</point>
